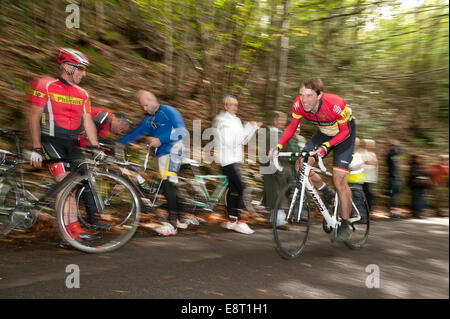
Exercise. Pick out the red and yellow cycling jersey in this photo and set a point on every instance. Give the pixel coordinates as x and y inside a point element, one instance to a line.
<point>63,105</point>
<point>332,118</point>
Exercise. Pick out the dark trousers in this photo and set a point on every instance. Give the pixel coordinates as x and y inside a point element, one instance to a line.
<point>235,189</point>
<point>170,192</point>
<point>393,190</point>
<point>417,201</point>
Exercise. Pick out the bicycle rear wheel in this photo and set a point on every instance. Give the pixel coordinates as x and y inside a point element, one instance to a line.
<point>115,225</point>
<point>359,220</point>
<point>291,232</point>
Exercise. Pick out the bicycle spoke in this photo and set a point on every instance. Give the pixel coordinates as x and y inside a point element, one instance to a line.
<point>291,228</point>
<point>112,227</point>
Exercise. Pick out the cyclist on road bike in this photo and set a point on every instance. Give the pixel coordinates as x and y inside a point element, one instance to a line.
<point>166,127</point>
<point>336,133</point>
<point>58,109</point>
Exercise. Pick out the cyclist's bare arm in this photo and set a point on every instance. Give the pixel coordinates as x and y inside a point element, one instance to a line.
<point>289,132</point>
<point>91,129</point>
<point>35,132</point>
<point>35,125</point>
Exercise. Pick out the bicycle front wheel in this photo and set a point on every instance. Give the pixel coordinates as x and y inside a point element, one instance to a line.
<point>9,199</point>
<point>114,225</point>
<point>359,220</point>
<point>290,227</point>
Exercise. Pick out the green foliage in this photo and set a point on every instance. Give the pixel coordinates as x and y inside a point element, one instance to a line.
<point>98,64</point>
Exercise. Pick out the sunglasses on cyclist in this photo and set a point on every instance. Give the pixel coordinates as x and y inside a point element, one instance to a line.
<point>81,68</point>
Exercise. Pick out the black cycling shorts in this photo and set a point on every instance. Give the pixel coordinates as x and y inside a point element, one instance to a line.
<point>342,152</point>
<point>54,148</point>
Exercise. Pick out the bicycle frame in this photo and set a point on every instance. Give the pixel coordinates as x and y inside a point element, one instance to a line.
<point>25,197</point>
<point>305,182</point>
<point>211,199</point>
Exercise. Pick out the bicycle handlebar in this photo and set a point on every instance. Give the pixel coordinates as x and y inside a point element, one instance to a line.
<point>305,156</point>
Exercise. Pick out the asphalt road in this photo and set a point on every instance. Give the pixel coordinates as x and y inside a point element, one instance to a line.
<point>412,257</point>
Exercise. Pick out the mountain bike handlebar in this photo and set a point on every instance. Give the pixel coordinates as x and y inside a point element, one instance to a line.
<point>305,156</point>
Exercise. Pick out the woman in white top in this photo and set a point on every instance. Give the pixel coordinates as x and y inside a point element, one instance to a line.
<point>229,142</point>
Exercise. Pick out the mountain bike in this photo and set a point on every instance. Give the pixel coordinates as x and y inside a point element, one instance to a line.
<point>113,219</point>
<point>291,229</point>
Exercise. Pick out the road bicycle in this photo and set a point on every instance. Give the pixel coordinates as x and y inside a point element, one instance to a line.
<point>113,211</point>
<point>291,229</point>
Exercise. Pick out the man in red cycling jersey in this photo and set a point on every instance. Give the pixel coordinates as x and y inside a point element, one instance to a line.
<point>58,108</point>
<point>336,133</point>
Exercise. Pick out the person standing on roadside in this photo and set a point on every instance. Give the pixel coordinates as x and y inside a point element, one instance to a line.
<point>231,137</point>
<point>166,128</point>
<point>59,108</point>
<point>393,176</point>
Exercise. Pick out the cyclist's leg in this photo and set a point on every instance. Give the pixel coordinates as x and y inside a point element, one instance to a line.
<point>54,148</point>
<point>317,139</point>
<point>340,177</point>
<point>343,154</point>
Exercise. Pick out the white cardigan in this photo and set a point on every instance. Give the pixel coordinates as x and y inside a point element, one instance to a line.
<point>230,138</point>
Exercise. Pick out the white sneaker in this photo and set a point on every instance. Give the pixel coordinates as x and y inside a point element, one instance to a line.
<point>230,224</point>
<point>182,225</point>
<point>166,229</point>
<point>191,221</point>
<point>242,227</point>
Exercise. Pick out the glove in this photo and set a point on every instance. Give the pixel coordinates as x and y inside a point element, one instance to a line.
<point>36,156</point>
<point>322,150</point>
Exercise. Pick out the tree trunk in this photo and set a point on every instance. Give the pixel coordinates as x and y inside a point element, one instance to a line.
<point>282,55</point>
<point>100,15</point>
<point>267,101</point>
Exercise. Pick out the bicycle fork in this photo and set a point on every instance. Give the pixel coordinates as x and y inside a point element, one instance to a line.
<point>96,196</point>
<point>316,198</point>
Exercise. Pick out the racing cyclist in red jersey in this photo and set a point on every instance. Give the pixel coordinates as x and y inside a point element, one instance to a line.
<point>336,132</point>
<point>58,108</point>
